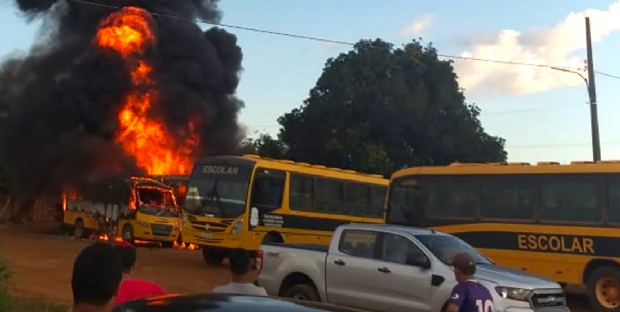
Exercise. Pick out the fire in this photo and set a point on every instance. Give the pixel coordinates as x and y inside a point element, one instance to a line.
<point>184,245</point>
<point>128,32</point>
<point>66,196</point>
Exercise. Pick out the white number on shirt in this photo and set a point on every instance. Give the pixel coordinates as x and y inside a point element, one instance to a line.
<point>486,306</point>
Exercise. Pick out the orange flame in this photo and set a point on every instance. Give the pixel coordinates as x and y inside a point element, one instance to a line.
<point>128,32</point>
<point>67,196</point>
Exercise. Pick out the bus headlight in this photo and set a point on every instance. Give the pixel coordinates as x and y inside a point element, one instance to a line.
<point>237,228</point>
<point>519,294</point>
<point>142,223</point>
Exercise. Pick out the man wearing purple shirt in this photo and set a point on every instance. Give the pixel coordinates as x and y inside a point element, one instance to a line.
<point>468,295</point>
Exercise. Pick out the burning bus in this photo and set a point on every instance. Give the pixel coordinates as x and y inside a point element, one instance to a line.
<point>178,183</point>
<point>142,209</point>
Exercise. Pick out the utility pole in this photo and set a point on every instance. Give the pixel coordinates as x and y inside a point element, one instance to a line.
<point>596,143</point>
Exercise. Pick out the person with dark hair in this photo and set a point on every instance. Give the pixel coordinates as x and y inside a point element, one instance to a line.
<point>97,274</point>
<point>243,271</point>
<point>468,295</point>
<point>131,289</point>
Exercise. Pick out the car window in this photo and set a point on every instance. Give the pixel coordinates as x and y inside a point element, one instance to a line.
<point>358,243</point>
<point>396,248</point>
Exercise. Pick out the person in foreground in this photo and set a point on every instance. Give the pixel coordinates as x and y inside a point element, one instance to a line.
<point>133,288</point>
<point>97,273</point>
<point>468,295</point>
<point>244,273</point>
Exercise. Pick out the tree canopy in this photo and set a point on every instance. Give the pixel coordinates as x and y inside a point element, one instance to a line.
<point>378,109</point>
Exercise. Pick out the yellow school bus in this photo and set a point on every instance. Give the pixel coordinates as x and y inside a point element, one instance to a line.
<point>243,201</point>
<point>558,221</point>
<point>140,209</point>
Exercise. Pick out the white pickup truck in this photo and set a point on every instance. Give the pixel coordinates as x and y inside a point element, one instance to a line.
<point>389,268</point>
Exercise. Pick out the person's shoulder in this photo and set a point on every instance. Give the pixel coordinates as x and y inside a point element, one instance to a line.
<point>140,283</point>
<point>258,290</point>
<point>220,288</point>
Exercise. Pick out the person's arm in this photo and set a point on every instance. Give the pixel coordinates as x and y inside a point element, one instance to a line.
<point>457,297</point>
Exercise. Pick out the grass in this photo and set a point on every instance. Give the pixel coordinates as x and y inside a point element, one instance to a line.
<point>9,303</point>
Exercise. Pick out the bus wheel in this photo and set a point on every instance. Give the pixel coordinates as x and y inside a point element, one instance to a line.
<point>128,233</point>
<point>167,244</point>
<point>78,229</point>
<point>273,237</point>
<point>603,289</point>
<point>212,256</point>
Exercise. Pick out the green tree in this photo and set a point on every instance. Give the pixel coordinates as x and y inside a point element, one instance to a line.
<point>378,109</point>
<point>265,146</point>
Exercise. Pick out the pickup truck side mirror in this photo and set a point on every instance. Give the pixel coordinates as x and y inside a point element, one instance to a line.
<point>418,260</point>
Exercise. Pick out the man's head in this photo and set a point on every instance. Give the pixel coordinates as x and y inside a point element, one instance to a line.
<point>464,266</point>
<point>97,274</point>
<point>129,254</point>
<point>240,261</point>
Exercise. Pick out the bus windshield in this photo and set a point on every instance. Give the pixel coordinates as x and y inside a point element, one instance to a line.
<point>445,247</point>
<point>156,201</point>
<point>404,203</point>
<point>215,197</point>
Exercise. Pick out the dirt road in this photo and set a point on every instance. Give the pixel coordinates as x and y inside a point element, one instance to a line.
<point>42,267</point>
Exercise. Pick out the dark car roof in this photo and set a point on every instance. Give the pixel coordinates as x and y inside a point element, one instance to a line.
<point>221,302</point>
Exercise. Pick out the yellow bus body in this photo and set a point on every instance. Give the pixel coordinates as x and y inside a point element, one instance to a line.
<point>567,229</point>
<point>281,223</point>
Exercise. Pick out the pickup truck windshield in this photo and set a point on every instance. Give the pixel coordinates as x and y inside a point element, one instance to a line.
<point>445,247</point>
<point>215,197</point>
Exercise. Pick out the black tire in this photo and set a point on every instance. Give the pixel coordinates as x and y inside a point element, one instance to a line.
<point>599,275</point>
<point>128,234</point>
<point>213,256</point>
<point>273,238</point>
<point>78,229</point>
<point>167,244</point>
<point>303,292</point>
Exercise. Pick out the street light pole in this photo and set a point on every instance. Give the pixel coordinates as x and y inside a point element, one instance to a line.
<point>590,84</point>
<point>596,143</point>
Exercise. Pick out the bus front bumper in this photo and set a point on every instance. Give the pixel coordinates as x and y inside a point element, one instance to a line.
<point>220,240</point>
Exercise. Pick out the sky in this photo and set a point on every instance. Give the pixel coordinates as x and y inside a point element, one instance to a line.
<point>542,113</point>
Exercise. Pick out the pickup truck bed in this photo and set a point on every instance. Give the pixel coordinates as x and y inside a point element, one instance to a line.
<point>312,247</point>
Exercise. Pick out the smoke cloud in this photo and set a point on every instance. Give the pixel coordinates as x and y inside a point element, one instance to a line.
<point>60,102</point>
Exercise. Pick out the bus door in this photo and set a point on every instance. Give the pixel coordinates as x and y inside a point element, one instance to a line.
<point>267,193</point>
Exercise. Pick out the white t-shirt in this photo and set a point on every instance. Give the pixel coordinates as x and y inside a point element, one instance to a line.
<point>240,289</point>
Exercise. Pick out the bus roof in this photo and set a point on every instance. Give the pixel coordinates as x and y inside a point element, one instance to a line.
<point>143,181</point>
<point>548,167</point>
<point>307,168</point>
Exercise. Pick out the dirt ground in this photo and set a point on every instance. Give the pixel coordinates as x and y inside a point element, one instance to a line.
<point>42,267</point>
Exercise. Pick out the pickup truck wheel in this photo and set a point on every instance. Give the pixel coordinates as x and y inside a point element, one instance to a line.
<point>603,289</point>
<point>303,292</point>
<point>212,256</point>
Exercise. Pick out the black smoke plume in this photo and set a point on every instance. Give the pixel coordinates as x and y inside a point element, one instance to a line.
<point>60,101</point>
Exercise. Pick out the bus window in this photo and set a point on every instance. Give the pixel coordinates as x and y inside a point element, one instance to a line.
<point>452,198</point>
<point>508,199</point>
<point>357,199</point>
<point>572,200</point>
<point>328,195</point>
<point>613,193</point>
<point>377,200</point>
<point>268,189</point>
<point>301,190</point>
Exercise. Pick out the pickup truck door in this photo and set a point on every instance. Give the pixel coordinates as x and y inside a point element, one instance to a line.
<point>349,281</point>
<point>399,286</point>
